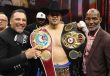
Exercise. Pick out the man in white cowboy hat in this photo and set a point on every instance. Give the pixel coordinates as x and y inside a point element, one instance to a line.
<point>62,60</point>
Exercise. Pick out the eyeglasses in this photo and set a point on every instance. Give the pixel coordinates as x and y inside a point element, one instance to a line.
<point>3,20</point>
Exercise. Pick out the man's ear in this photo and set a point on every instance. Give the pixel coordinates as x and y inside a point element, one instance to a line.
<point>100,19</point>
<point>10,21</point>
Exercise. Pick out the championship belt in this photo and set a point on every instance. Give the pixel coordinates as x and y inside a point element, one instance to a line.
<point>72,39</point>
<point>42,39</point>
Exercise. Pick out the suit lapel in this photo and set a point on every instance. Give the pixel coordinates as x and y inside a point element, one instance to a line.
<point>95,44</point>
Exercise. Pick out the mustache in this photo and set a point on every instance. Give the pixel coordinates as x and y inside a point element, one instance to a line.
<point>94,28</point>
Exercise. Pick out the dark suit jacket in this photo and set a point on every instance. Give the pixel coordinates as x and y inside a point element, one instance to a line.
<point>31,27</point>
<point>12,61</point>
<point>98,63</point>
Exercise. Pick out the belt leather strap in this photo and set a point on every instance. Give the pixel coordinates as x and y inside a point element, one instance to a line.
<point>42,39</point>
<point>73,41</point>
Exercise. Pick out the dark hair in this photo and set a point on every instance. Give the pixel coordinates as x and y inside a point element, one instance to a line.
<point>2,12</point>
<point>18,10</point>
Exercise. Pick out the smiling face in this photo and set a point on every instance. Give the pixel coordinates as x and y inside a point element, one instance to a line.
<point>93,19</point>
<point>54,18</point>
<point>18,21</point>
<point>3,21</point>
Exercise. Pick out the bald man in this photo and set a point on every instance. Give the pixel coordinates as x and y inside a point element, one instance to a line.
<point>96,57</point>
<point>3,21</point>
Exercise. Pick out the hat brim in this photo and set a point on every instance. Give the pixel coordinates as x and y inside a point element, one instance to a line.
<point>63,12</point>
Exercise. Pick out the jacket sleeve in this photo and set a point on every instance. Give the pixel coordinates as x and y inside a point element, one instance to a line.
<point>9,62</point>
<point>107,54</point>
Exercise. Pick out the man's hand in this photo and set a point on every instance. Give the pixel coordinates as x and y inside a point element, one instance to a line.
<point>32,53</point>
<point>82,25</point>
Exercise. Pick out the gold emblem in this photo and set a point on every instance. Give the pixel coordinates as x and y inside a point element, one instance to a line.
<point>74,54</point>
<point>46,55</point>
<point>72,39</point>
<point>81,38</point>
<point>40,38</point>
<point>70,26</point>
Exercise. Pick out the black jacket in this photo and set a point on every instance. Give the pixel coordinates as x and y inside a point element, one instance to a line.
<point>31,27</point>
<point>12,59</point>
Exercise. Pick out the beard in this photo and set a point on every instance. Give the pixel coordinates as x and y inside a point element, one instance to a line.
<point>94,28</point>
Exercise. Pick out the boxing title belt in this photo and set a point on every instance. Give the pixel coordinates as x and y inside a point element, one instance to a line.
<point>72,40</point>
<point>42,39</point>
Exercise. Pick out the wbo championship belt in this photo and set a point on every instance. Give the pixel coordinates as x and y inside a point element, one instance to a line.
<point>72,40</point>
<point>42,39</point>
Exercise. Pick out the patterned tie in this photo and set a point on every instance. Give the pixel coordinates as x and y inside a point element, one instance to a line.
<point>86,52</point>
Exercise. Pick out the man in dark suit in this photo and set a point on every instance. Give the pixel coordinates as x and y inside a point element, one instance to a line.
<point>15,57</point>
<point>96,57</point>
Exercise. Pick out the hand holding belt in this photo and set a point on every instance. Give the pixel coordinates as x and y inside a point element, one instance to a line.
<point>41,38</point>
